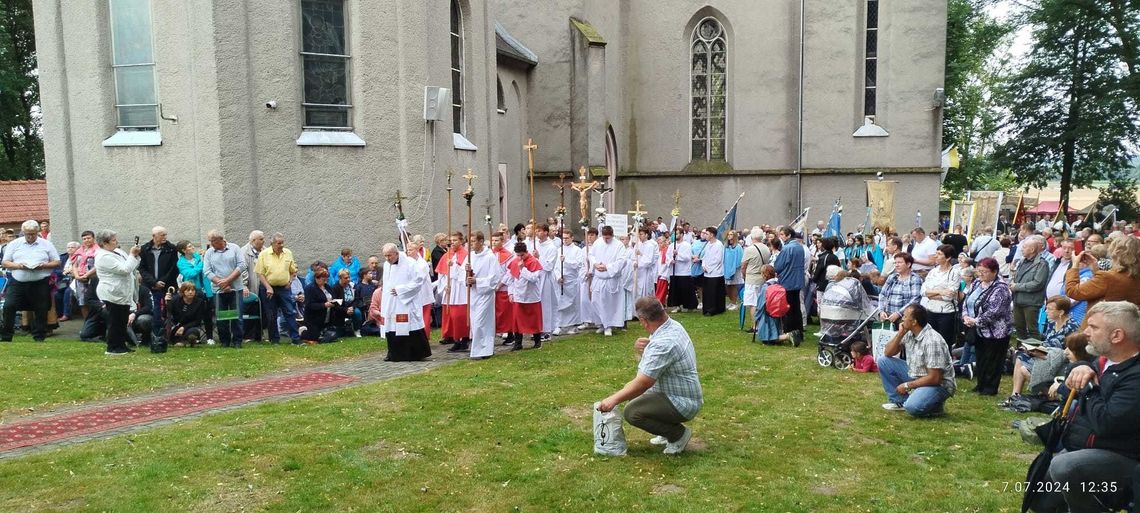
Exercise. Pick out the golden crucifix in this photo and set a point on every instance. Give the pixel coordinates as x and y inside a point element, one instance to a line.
<point>583,187</point>
<point>676,204</point>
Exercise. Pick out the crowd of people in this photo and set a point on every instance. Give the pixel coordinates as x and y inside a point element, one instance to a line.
<point>1066,300</point>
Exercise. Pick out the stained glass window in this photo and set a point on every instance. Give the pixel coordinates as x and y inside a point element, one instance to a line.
<point>456,68</point>
<point>871,60</point>
<point>708,90</point>
<point>325,58</point>
<point>132,60</point>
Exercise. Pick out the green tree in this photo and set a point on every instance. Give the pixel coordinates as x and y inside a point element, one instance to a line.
<point>21,145</point>
<point>1071,115</point>
<point>1121,191</point>
<point>971,116</point>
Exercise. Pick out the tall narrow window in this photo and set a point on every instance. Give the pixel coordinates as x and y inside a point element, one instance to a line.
<point>132,51</point>
<point>709,87</point>
<point>324,52</point>
<point>871,60</point>
<point>456,68</point>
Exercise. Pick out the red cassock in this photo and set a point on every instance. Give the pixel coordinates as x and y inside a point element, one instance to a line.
<point>504,312</point>
<point>527,316</point>
<point>454,322</point>
<point>662,290</point>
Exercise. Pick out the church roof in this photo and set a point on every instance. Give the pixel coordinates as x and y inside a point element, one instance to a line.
<point>507,46</point>
<point>23,200</point>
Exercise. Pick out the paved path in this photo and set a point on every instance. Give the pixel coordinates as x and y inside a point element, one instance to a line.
<point>369,369</point>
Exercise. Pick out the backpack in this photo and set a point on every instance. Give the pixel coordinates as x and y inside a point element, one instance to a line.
<point>776,300</point>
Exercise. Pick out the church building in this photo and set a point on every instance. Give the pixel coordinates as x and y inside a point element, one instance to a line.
<point>307,116</point>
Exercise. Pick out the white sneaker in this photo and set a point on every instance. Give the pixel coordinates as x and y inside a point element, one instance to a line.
<point>357,333</point>
<point>659,440</point>
<point>679,445</point>
<point>556,332</point>
<point>609,332</point>
<point>675,309</point>
<point>731,307</point>
<point>584,326</point>
<point>210,342</point>
<point>599,331</point>
<point>893,407</point>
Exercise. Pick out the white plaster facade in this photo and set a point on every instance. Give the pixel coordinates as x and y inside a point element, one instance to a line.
<point>622,68</point>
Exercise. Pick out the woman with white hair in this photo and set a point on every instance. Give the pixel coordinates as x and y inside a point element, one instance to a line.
<point>118,287</point>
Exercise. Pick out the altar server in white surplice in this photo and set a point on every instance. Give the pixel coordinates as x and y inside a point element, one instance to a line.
<point>483,275</point>
<point>568,285</point>
<point>608,262</point>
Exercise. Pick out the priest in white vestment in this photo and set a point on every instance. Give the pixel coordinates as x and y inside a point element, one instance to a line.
<point>401,311</point>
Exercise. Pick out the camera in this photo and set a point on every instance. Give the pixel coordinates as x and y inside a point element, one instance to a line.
<point>271,104</point>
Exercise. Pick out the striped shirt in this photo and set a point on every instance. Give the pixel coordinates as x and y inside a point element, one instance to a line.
<point>671,360</point>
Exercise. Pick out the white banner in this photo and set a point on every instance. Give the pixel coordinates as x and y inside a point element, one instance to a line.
<point>619,222</point>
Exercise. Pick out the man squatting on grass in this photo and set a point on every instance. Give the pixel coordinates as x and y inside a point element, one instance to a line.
<point>667,390</point>
<point>923,382</point>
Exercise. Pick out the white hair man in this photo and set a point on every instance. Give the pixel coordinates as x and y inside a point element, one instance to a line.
<point>256,312</point>
<point>159,270</point>
<point>224,264</point>
<point>1028,288</point>
<point>30,259</point>
<point>756,256</point>
<point>401,308</point>
<point>1102,441</point>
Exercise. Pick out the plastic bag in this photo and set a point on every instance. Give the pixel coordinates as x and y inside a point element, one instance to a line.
<point>609,436</point>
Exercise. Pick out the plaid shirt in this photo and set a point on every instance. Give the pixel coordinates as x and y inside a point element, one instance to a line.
<point>897,293</point>
<point>928,350</point>
<point>670,359</point>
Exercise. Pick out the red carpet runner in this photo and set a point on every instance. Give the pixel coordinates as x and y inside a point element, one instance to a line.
<point>50,429</point>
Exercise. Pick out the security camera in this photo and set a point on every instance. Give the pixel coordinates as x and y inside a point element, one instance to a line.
<point>271,104</point>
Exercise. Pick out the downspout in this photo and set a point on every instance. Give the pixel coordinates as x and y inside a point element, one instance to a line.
<point>800,121</point>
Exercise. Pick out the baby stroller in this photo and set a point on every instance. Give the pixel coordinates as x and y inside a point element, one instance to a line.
<point>844,313</point>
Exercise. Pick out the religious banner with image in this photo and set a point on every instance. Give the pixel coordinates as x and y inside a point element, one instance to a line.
<point>962,214</point>
<point>881,201</point>
<point>987,208</point>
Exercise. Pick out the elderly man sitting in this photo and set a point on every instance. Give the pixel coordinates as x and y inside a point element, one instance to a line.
<point>1102,443</point>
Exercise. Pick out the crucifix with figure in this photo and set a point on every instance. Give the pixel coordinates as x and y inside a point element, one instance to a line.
<point>583,188</point>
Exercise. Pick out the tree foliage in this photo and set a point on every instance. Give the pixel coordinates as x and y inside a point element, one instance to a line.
<point>1071,113</point>
<point>970,118</point>
<point>21,145</point>
<point>1121,191</point>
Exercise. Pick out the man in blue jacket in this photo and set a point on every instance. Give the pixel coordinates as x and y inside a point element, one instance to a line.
<point>1102,442</point>
<point>790,274</point>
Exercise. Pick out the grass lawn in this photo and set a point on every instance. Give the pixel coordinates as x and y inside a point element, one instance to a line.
<point>513,434</point>
<point>63,372</point>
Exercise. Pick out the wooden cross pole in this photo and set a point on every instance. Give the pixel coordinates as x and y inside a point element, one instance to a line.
<point>561,185</point>
<point>530,146</point>
<point>673,229</point>
<point>450,250</point>
<point>467,195</point>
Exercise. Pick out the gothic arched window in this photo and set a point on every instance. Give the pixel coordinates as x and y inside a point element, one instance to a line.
<point>708,90</point>
<point>456,68</point>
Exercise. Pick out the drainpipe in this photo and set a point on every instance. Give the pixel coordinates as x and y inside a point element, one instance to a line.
<point>800,122</point>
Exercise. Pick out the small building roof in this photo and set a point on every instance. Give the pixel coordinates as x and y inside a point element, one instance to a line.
<point>507,46</point>
<point>23,200</point>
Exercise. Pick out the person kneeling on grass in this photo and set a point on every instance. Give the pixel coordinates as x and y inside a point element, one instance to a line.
<point>923,382</point>
<point>188,313</point>
<point>667,390</point>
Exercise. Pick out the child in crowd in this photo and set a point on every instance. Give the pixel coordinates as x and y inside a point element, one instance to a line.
<point>861,359</point>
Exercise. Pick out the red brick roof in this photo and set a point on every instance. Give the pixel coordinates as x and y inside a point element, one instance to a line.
<point>22,200</point>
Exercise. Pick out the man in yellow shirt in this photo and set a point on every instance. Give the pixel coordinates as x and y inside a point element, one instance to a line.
<point>276,269</point>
